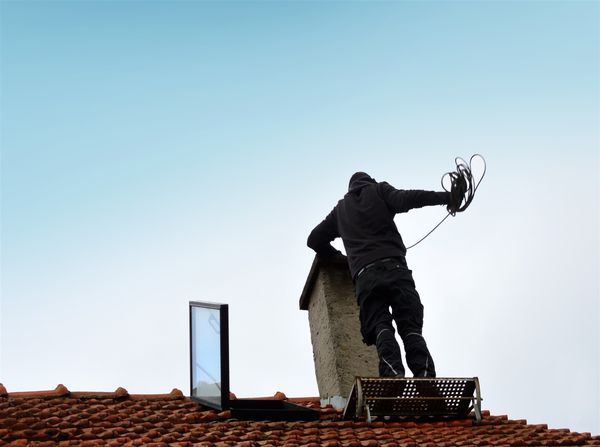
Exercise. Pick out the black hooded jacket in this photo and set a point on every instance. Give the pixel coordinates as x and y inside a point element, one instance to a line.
<point>364,219</point>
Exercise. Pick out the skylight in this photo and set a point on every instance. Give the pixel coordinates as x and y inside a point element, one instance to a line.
<point>209,370</point>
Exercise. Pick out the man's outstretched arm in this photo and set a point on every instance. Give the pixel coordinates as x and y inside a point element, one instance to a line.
<point>321,236</point>
<point>401,201</point>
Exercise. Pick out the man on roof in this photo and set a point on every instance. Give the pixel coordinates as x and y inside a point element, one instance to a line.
<point>364,219</point>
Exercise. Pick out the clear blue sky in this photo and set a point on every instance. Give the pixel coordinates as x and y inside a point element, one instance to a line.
<point>159,152</point>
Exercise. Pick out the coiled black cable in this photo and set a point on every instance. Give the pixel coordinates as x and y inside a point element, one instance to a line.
<point>463,178</point>
<point>462,189</point>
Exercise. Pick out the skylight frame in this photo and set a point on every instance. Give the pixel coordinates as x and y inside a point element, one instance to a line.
<point>222,403</point>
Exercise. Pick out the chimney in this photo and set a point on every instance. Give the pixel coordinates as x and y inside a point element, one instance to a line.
<point>338,350</point>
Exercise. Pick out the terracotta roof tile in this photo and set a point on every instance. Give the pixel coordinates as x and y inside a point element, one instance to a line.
<point>58,418</point>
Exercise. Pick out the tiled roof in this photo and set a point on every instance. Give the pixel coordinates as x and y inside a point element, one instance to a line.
<point>87,419</point>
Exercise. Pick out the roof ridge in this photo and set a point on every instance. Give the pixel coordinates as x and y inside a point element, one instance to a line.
<point>121,393</point>
<point>59,391</point>
<point>63,391</point>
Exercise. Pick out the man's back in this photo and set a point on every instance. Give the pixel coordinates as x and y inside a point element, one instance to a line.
<point>364,219</point>
<point>366,226</point>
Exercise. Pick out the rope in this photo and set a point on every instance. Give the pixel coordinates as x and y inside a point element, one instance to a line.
<point>462,189</point>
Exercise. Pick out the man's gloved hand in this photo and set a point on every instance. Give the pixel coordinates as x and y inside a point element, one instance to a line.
<point>457,194</point>
<point>331,254</point>
<point>338,255</point>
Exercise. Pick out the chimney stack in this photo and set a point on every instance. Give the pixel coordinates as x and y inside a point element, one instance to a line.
<point>338,350</point>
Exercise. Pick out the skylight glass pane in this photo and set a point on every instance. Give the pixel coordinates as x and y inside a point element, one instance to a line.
<point>206,353</point>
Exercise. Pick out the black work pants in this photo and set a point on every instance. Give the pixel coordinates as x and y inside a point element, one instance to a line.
<point>389,285</point>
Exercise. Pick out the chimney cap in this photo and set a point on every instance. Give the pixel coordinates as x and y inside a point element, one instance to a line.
<point>318,262</point>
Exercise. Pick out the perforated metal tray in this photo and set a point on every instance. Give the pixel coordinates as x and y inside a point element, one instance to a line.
<point>414,397</point>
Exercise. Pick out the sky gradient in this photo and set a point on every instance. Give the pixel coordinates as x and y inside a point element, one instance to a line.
<point>155,153</point>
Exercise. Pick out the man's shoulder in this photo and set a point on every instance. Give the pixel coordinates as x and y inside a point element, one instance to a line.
<point>375,188</point>
<point>383,187</point>
<point>384,184</point>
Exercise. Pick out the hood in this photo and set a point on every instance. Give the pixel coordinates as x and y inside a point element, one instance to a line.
<point>359,180</point>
